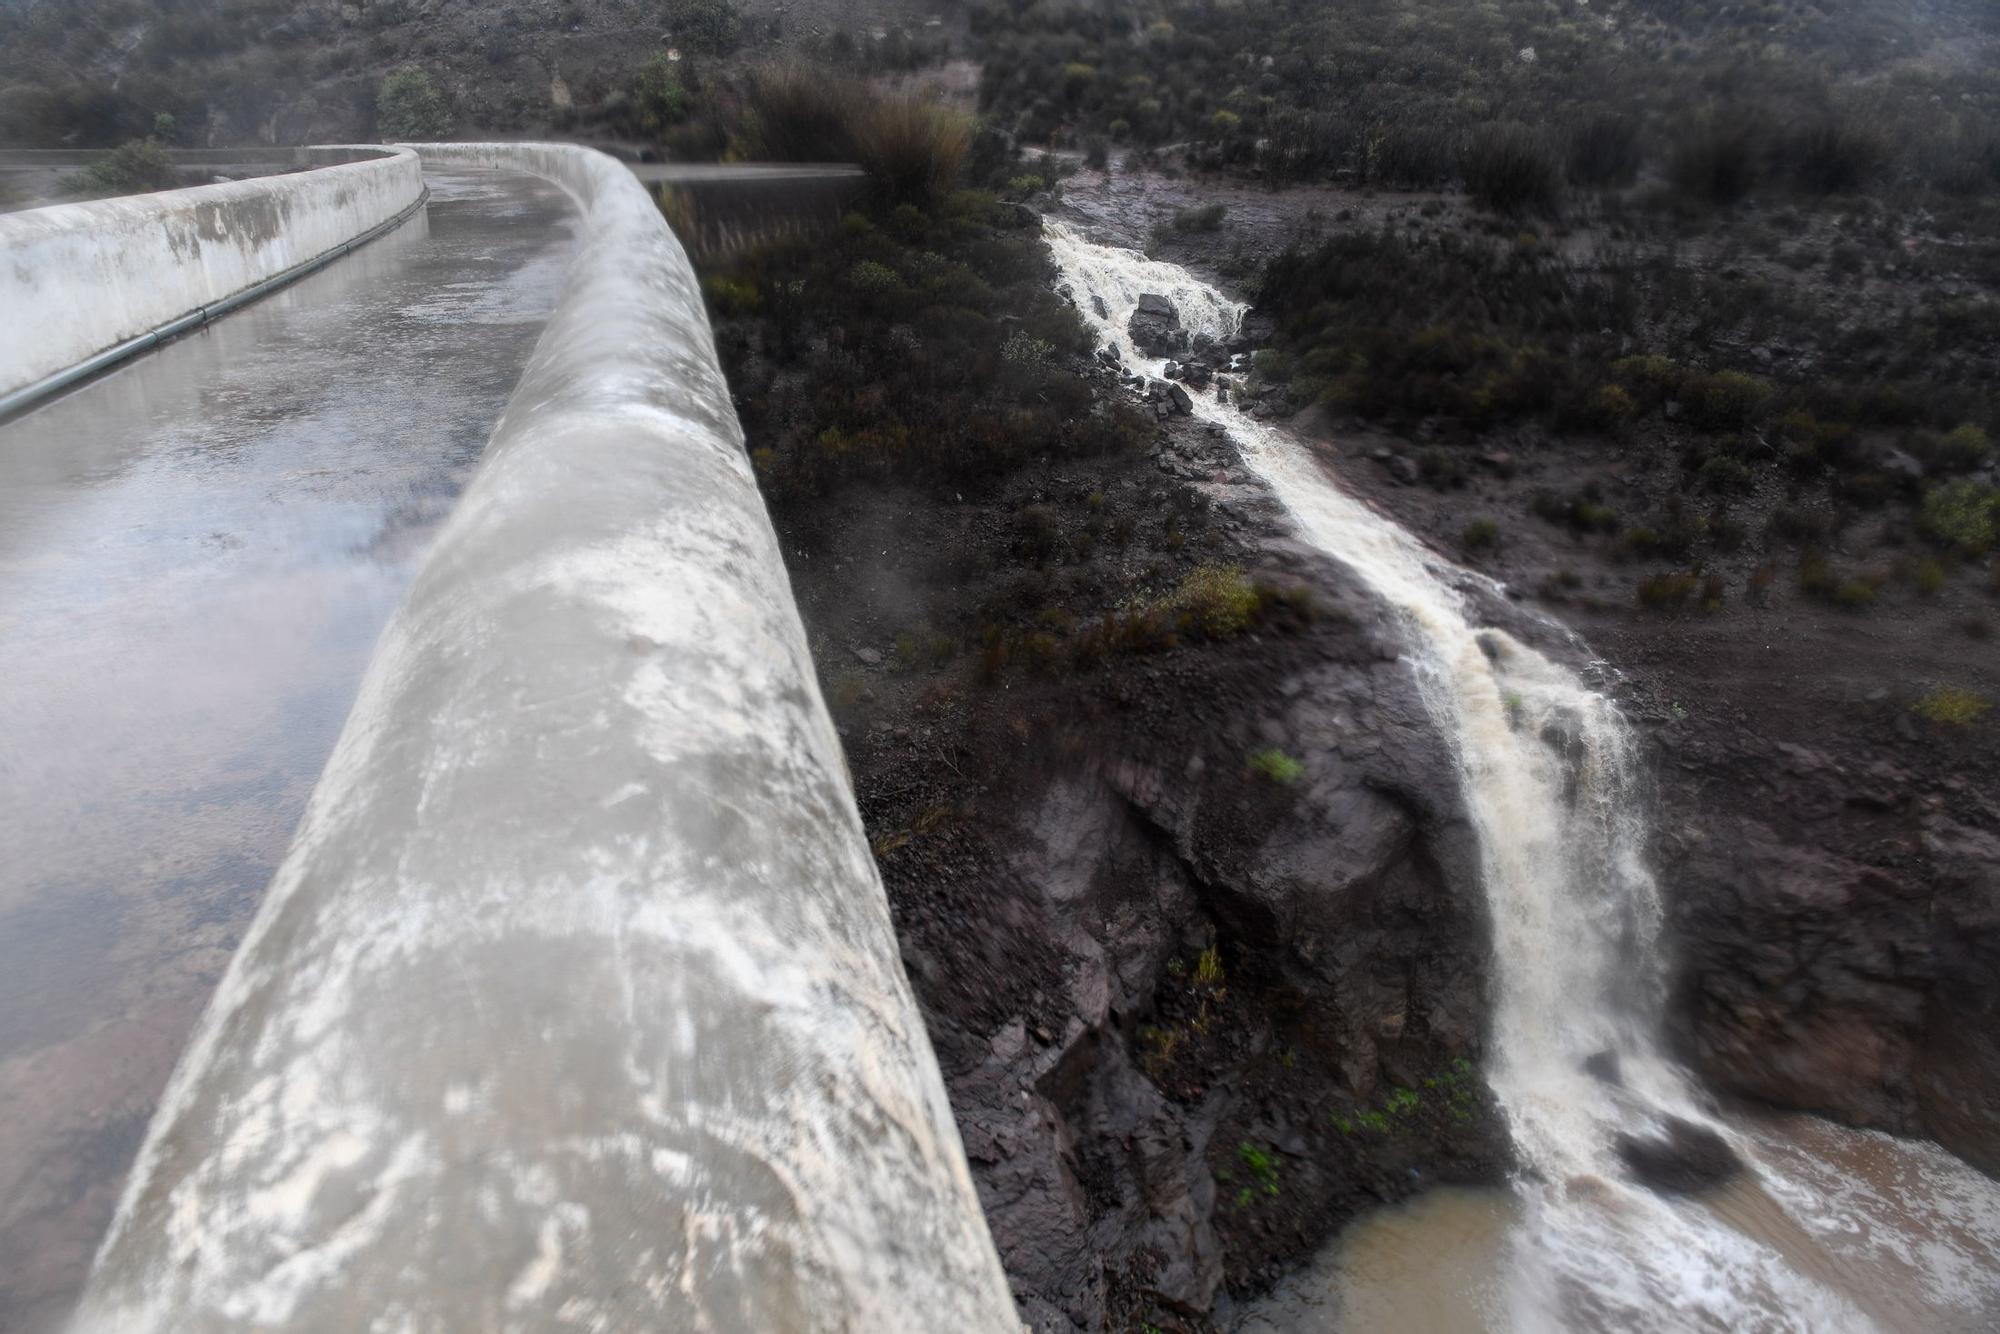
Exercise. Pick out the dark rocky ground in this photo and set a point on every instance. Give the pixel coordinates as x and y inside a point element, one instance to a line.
<point>250,72</point>
<point>1193,1017</point>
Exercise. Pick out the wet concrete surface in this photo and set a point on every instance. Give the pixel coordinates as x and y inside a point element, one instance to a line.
<point>196,555</point>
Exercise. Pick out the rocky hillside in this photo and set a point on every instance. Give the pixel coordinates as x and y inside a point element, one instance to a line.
<point>233,72</point>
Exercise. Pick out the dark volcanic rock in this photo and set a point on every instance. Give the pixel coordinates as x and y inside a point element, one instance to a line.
<point>1604,1065</point>
<point>1957,1062</point>
<point>1839,950</point>
<point>1256,330</point>
<point>1344,919</point>
<point>1156,327</point>
<point>1806,975</point>
<point>1683,1157</point>
<point>1173,996</point>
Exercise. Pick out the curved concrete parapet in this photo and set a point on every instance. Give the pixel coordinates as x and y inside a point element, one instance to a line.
<point>576,1003</point>
<point>78,279</point>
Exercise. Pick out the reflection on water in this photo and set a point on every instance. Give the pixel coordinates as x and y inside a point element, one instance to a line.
<point>196,555</point>
<point>1861,1231</point>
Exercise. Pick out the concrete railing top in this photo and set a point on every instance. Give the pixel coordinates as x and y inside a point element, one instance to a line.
<point>576,1002</point>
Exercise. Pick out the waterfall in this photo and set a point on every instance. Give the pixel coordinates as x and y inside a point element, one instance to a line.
<point>1548,770</point>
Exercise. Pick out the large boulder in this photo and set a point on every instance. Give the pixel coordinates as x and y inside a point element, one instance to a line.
<point>1155,327</point>
<point>1680,1158</point>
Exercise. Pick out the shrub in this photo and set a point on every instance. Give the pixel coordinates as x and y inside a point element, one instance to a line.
<point>795,114</point>
<point>730,298</point>
<point>708,26</point>
<point>1958,161</point>
<point>913,148</point>
<point>1725,400</point>
<point>1413,157</point>
<point>1831,156</point>
<point>659,99</point>
<point>1217,600</point>
<point>410,106</point>
<point>1667,592</point>
<point>1612,406</point>
<point>1205,218</point>
<point>1963,514</point>
<point>1510,169</point>
<point>872,277</point>
<point>129,169</point>
<point>1963,449</point>
<point>1820,580</point>
<point>1480,535</point>
<point>1604,149</point>
<point>1300,144</point>
<point>1714,159</point>
<point>1954,707</point>
<point>1277,766</point>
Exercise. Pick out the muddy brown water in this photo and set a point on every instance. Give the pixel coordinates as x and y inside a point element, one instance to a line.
<point>1902,1236</point>
<point>196,555</point>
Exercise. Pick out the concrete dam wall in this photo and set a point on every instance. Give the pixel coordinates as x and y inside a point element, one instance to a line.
<point>82,278</point>
<point>576,1003</point>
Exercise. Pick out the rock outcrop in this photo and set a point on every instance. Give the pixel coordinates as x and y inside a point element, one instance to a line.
<point>1155,327</point>
<point>1681,1158</point>
<point>1197,935</point>
<point>1837,934</point>
<point>1227,982</point>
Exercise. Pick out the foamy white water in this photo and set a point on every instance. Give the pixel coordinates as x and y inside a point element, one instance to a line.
<point>1548,771</point>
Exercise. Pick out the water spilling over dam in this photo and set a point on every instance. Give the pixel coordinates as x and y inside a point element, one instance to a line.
<point>1551,780</point>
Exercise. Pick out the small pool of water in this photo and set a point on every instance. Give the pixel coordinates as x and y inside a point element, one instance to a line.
<point>1832,1230</point>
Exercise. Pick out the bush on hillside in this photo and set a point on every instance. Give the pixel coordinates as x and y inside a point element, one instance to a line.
<point>795,114</point>
<point>659,98</point>
<point>1200,218</point>
<point>1963,514</point>
<point>1714,159</point>
<point>1604,149</point>
<point>1830,155</point>
<point>708,26</point>
<point>912,147</point>
<point>410,106</point>
<point>1510,169</point>
<point>129,169</point>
